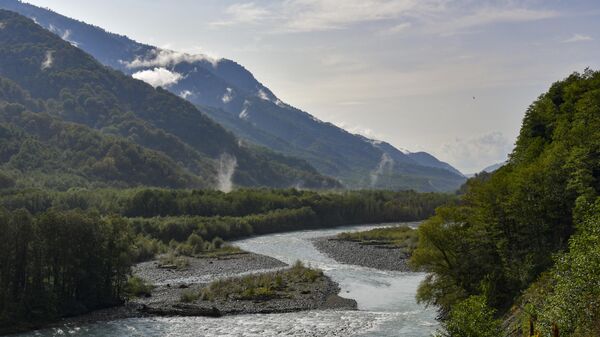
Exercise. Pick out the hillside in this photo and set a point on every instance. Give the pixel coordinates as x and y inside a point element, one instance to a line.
<point>231,96</point>
<point>46,74</point>
<point>523,243</point>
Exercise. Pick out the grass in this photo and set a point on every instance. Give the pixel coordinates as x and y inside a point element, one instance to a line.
<point>222,252</point>
<point>259,287</point>
<point>402,237</point>
<point>137,287</point>
<point>173,261</point>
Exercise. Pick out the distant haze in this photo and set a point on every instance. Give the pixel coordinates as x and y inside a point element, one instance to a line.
<point>453,78</point>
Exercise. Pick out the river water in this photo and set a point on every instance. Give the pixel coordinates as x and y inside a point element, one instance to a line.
<point>386,302</point>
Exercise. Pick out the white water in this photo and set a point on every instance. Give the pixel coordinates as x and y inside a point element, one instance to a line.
<point>385,299</point>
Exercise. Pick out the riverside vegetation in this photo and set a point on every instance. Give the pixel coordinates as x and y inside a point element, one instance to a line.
<point>69,252</point>
<point>398,237</point>
<point>519,255</point>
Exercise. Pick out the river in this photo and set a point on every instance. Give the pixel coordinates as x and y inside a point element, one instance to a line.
<point>386,302</point>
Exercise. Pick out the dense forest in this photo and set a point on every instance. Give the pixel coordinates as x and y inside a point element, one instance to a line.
<point>68,252</point>
<point>68,121</point>
<point>519,253</point>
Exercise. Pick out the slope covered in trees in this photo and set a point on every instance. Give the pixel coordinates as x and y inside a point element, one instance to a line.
<point>232,96</point>
<point>45,74</point>
<point>510,225</point>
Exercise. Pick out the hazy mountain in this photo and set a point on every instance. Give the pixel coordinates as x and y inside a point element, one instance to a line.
<point>55,96</point>
<point>232,96</point>
<point>494,167</point>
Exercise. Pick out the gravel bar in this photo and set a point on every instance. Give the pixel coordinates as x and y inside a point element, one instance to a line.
<point>355,253</point>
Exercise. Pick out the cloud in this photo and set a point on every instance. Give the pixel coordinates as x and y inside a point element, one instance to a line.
<point>319,15</point>
<point>399,28</point>
<point>64,34</point>
<point>440,16</point>
<point>487,16</point>
<point>185,94</point>
<point>359,130</point>
<point>165,58</point>
<point>48,60</point>
<point>227,96</point>
<point>386,164</point>
<point>263,95</point>
<point>246,13</point>
<point>158,77</point>
<point>578,38</point>
<point>475,153</point>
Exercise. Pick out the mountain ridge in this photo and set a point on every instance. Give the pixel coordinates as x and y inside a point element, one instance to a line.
<point>233,97</point>
<point>72,86</point>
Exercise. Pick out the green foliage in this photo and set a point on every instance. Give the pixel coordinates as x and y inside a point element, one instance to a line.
<point>568,294</point>
<point>60,263</point>
<point>189,296</point>
<point>146,248</point>
<point>402,237</point>
<point>137,287</point>
<point>509,225</point>
<point>471,318</point>
<point>259,287</point>
<point>141,135</point>
<point>173,261</point>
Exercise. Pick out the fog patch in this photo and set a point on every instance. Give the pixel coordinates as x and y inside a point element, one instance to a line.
<point>385,165</point>
<point>158,77</point>
<point>227,166</point>
<point>244,114</point>
<point>164,58</point>
<point>263,95</point>
<point>48,60</point>
<point>185,94</point>
<point>64,34</point>
<point>228,96</point>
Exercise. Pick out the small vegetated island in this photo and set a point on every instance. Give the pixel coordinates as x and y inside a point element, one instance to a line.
<point>387,248</point>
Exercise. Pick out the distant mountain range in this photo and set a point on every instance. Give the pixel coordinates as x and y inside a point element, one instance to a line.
<point>66,120</point>
<point>488,169</point>
<point>232,97</point>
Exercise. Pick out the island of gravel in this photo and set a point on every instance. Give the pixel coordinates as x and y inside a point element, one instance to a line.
<point>381,248</point>
<point>178,291</point>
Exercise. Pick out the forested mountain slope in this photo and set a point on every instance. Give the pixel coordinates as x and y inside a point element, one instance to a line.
<point>524,242</point>
<point>46,74</point>
<point>232,96</point>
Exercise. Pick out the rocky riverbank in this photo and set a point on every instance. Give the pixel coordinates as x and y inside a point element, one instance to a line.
<point>383,257</point>
<point>171,284</point>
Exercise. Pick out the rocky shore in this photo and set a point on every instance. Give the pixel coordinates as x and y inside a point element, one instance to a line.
<point>170,284</point>
<point>383,257</point>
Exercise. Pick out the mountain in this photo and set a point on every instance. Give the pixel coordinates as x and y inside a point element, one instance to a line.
<point>68,113</point>
<point>494,167</point>
<point>231,96</point>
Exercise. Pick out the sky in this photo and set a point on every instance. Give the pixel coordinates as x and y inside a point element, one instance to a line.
<point>450,77</point>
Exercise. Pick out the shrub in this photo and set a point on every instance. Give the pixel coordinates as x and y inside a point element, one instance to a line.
<point>137,287</point>
<point>471,318</point>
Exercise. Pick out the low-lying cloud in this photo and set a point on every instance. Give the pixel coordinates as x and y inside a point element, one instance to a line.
<point>48,60</point>
<point>165,58</point>
<point>158,77</point>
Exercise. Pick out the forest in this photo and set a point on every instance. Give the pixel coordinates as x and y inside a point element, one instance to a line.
<point>519,253</point>
<point>69,252</point>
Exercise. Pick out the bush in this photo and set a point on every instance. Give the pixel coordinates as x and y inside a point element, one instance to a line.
<point>188,296</point>
<point>137,287</point>
<point>471,318</point>
<point>172,261</point>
